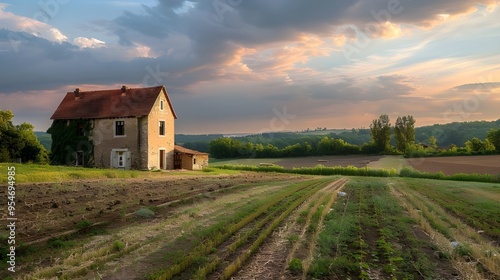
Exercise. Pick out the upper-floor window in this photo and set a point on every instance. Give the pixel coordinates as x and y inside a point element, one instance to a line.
<point>161,105</point>
<point>162,128</point>
<point>119,128</point>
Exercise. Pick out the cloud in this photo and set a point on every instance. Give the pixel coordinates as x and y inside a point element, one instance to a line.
<point>30,26</point>
<point>349,90</point>
<point>92,43</point>
<point>478,87</point>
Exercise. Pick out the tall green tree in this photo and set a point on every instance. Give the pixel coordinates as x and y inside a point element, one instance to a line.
<point>404,132</point>
<point>19,141</point>
<point>381,132</point>
<point>494,138</point>
<point>432,142</point>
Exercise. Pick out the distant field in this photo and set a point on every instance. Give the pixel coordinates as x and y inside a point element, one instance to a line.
<point>354,160</point>
<point>458,164</point>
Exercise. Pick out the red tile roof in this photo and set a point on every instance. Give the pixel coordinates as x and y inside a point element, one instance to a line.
<point>183,150</point>
<point>109,103</point>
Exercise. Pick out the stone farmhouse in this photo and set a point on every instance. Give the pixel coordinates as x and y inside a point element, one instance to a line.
<point>127,128</point>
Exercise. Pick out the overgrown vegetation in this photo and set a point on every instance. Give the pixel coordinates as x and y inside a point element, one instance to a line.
<point>70,139</point>
<point>18,142</point>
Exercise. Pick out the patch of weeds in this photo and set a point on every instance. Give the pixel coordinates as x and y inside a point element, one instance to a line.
<point>57,243</point>
<point>118,246</point>
<point>292,238</point>
<point>208,169</point>
<point>110,174</point>
<point>145,212</point>
<point>463,250</point>
<point>83,225</point>
<point>295,266</point>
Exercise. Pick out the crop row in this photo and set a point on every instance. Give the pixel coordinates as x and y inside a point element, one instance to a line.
<point>259,213</point>
<point>458,240</point>
<point>308,224</point>
<point>368,234</point>
<point>476,209</point>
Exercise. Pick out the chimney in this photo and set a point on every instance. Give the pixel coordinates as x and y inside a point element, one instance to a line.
<point>124,90</point>
<point>77,93</point>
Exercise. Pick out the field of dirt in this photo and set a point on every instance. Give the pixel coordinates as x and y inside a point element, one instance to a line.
<point>45,210</point>
<point>458,164</point>
<point>355,160</point>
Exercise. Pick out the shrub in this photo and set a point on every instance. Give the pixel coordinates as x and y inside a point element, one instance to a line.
<point>118,245</point>
<point>82,225</point>
<point>295,266</point>
<point>145,212</point>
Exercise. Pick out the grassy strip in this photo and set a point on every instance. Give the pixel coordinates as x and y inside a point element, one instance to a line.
<point>31,173</point>
<point>318,170</point>
<point>412,173</point>
<point>212,265</point>
<point>235,265</point>
<point>328,202</point>
<point>364,171</point>
<point>294,259</point>
<point>218,233</point>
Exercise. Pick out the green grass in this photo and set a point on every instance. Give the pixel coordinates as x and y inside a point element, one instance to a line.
<point>243,161</point>
<point>475,203</point>
<point>318,170</point>
<point>389,162</point>
<point>30,173</point>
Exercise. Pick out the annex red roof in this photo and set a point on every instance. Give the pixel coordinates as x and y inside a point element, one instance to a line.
<point>111,103</point>
<point>183,150</point>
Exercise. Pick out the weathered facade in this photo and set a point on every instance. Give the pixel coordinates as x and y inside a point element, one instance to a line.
<point>189,159</point>
<point>130,128</point>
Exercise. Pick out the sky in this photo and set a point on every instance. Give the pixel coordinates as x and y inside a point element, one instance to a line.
<point>250,66</point>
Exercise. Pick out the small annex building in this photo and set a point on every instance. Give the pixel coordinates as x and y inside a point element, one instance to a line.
<point>189,159</point>
<point>127,128</point>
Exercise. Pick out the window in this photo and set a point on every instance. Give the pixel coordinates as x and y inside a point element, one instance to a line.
<point>162,128</point>
<point>194,160</point>
<point>121,159</point>
<point>161,105</point>
<point>119,128</point>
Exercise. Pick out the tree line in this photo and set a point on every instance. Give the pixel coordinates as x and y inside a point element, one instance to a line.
<point>382,135</point>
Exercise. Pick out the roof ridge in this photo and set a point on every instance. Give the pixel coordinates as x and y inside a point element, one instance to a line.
<point>101,90</point>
